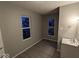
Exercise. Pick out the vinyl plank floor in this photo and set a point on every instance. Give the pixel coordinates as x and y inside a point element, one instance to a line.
<point>43,49</point>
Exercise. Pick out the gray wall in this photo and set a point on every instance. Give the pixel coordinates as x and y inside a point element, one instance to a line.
<point>45,27</point>
<point>68,17</point>
<point>11,27</point>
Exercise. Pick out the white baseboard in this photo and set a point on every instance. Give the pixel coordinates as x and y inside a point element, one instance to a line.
<point>26,49</point>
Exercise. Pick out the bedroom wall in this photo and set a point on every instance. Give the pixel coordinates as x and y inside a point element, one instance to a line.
<point>11,28</point>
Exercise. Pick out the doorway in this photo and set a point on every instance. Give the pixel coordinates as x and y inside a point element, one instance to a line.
<point>50,25</point>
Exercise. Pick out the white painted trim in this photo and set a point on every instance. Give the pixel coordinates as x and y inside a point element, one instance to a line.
<point>26,49</point>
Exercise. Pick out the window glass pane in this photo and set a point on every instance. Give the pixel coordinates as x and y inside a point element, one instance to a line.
<point>25,21</point>
<point>50,31</point>
<point>50,25</point>
<point>26,33</point>
<point>51,21</point>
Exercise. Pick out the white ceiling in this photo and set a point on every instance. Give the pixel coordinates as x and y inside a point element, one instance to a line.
<point>42,7</point>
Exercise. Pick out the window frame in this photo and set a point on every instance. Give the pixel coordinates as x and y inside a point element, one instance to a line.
<point>21,27</point>
<point>51,26</point>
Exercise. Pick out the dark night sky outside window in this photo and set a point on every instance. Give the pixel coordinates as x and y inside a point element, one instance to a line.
<point>25,27</point>
<point>50,26</point>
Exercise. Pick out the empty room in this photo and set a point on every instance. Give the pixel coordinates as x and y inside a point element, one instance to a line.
<point>39,29</point>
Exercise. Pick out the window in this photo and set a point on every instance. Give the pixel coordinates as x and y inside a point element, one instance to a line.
<point>25,27</point>
<point>50,26</point>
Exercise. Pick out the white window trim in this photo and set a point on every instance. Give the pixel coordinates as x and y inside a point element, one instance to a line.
<point>25,28</point>
<point>51,27</point>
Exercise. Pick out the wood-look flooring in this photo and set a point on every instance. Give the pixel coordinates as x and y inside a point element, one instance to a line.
<point>43,49</point>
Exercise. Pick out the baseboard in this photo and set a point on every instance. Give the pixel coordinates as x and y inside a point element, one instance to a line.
<point>50,39</point>
<point>26,49</point>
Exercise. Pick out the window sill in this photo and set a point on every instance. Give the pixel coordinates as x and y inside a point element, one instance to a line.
<point>50,35</point>
<point>27,39</point>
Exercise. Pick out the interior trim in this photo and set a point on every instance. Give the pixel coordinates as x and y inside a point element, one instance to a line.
<point>26,49</point>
